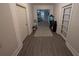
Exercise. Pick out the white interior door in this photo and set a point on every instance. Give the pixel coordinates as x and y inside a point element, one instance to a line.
<point>22,21</point>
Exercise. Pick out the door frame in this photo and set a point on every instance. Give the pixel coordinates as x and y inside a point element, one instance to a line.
<point>20,5</point>
<point>41,9</point>
<point>17,4</point>
<point>64,8</point>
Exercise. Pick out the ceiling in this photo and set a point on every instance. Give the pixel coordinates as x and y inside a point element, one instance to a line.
<point>43,3</point>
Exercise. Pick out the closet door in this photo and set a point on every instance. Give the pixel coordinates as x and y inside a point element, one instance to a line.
<point>22,21</point>
<point>66,18</point>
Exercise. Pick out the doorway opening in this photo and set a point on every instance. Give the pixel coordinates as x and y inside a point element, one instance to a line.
<point>42,15</point>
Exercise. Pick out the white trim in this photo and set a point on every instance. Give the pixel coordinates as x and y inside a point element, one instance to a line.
<point>63,36</point>
<point>74,52</point>
<point>15,53</point>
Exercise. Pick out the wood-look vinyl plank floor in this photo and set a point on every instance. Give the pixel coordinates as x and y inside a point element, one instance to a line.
<point>44,46</point>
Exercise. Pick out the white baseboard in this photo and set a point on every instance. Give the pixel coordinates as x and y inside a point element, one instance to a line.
<point>63,37</point>
<point>73,51</point>
<point>15,53</point>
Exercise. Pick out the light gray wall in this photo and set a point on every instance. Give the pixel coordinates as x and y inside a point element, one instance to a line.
<point>8,40</point>
<point>16,23</point>
<point>73,32</point>
<point>30,17</point>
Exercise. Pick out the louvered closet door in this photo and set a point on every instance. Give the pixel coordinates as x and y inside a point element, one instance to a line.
<point>66,18</point>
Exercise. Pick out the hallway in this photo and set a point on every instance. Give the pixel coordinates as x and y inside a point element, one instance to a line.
<point>41,44</point>
<point>44,42</point>
<point>17,36</point>
<point>43,30</point>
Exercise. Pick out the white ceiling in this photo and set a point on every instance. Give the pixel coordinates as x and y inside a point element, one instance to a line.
<point>42,3</point>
